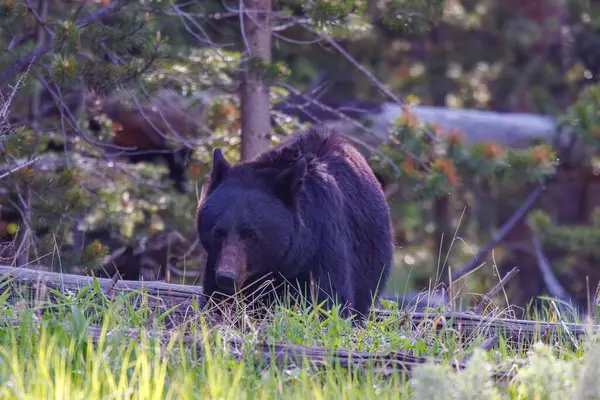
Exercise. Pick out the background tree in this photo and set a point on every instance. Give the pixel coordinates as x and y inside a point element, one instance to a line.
<point>254,90</point>
<point>184,77</point>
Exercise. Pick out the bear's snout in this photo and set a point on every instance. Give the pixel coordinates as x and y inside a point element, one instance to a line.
<point>231,269</point>
<point>226,281</point>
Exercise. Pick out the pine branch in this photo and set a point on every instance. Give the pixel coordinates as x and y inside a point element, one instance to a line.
<point>40,51</point>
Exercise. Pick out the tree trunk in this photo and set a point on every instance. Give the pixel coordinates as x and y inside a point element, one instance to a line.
<point>439,86</point>
<point>254,92</point>
<point>34,106</point>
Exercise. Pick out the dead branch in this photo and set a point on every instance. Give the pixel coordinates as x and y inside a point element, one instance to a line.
<point>518,215</point>
<point>12,170</point>
<point>552,283</point>
<point>486,345</point>
<point>494,291</point>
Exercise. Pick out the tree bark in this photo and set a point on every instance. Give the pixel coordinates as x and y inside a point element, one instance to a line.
<point>439,86</point>
<point>254,91</point>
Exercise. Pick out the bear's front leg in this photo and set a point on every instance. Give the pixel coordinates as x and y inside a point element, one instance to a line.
<point>333,289</point>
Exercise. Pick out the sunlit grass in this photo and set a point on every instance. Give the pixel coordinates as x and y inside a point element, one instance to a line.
<point>86,346</point>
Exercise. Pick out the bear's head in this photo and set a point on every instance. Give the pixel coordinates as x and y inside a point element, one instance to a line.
<point>247,221</point>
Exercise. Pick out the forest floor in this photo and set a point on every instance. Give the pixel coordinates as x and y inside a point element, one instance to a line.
<point>86,345</point>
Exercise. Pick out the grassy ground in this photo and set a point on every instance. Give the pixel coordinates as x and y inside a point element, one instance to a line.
<point>47,352</point>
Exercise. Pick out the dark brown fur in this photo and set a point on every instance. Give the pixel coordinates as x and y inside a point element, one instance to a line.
<point>309,208</point>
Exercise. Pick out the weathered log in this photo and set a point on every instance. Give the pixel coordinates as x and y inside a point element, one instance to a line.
<point>468,324</point>
<point>167,296</point>
<point>34,278</point>
<point>287,355</point>
<point>516,130</point>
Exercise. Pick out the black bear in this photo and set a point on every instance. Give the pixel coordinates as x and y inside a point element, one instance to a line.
<point>309,210</point>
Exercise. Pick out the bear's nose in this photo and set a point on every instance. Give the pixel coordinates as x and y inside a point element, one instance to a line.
<point>226,281</point>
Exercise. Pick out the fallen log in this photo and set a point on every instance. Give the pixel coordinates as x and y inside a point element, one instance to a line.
<point>468,324</point>
<point>285,354</point>
<point>179,299</point>
<point>516,130</point>
<point>69,282</point>
<point>175,300</point>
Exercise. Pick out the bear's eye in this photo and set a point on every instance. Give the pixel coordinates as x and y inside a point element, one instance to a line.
<point>248,234</point>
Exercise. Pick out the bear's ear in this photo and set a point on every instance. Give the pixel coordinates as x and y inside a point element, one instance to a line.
<point>289,181</point>
<point>220,167</point>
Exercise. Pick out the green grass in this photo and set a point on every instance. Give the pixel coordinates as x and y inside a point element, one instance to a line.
<point>47,352</point>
